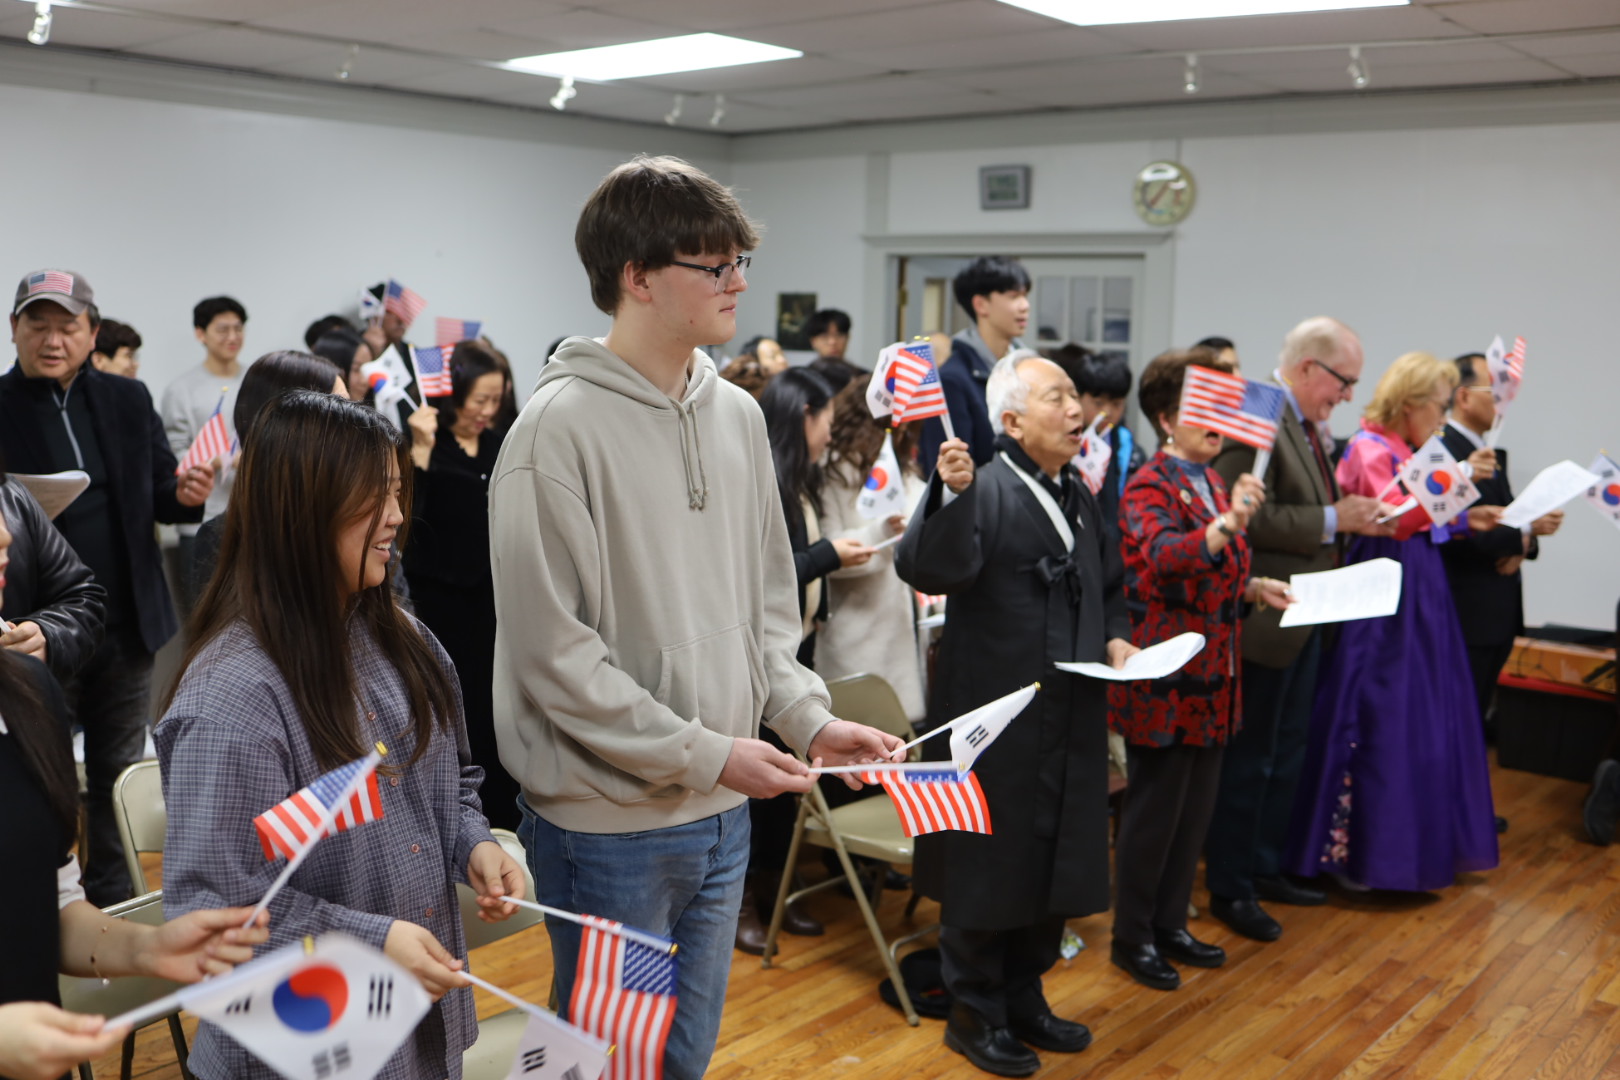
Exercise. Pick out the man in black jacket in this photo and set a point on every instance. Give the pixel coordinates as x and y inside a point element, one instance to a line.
<point>1483,568</point>
<point>57,412</point>
<point>54,607</point>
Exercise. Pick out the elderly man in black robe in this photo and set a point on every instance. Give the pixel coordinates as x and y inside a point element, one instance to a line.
<point>1032,580</point>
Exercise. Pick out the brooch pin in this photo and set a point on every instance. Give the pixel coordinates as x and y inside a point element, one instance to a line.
<point>1186,496</point>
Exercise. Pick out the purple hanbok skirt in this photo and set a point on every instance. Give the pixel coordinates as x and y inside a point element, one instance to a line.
<point>1395,791</point>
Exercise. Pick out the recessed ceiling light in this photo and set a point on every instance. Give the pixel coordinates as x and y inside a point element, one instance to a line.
<point>1109,12</point>
<point>661,56</point>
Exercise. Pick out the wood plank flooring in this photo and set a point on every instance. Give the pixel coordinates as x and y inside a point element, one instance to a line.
<point>1510,974</point>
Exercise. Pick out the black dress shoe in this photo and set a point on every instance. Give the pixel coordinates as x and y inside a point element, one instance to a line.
<point>1144,964</point>
<point>1247,917</point>
<point>993,1049</point>
<point>1501,824</point>
<point>1602,809</point>
<point>1183,948</point>
<point>1051,1033</point>
<point>1282,890</point>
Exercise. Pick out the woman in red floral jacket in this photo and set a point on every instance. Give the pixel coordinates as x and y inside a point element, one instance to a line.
<point>1186,569</point>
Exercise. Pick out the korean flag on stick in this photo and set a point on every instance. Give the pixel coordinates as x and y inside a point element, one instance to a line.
<point>884,494</point>
<point>1094,455</point>
<point>336,1012</point>
<point>1434,479</point>
<point>973,732</point>
<point>553,1049</point>
<point>880,388</point>
<point>1605,494</point>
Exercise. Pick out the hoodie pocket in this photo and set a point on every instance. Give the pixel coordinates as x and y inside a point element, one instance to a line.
<point>718,678</point>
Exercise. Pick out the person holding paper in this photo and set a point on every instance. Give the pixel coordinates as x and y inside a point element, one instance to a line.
<point>50,604</point>
<point>1186,569</point>
<point>1395,792</point>
<point>1032,580</point>
<point>1299,529</point>
<point>301,661</point>
<point>1483,568</point>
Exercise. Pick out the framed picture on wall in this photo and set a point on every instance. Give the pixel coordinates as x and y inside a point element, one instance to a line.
<point>793,310</point>
<point>1004,187</point>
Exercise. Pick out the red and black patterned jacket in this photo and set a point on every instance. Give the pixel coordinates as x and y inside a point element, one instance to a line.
<point>1173,585</point>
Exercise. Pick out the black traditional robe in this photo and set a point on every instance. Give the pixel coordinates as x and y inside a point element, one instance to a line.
<point>1018,603</point>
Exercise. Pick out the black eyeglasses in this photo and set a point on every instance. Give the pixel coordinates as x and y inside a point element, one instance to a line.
<point>722,273</point>
<point>1344,383</point>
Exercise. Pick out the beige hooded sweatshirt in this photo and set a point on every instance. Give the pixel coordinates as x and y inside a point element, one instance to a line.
<point>645,595</point>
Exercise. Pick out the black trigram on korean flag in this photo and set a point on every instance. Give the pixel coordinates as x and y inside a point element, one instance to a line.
<point>1439,507</point>
<point>240,1007</point>
<point>977,736</point>
<point>380,998</point>
<point>1437,456</point>
<point>533,1059</point>
<point>331,1062</point>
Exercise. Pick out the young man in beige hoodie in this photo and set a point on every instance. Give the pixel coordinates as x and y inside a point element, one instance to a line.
<point>646,600</point>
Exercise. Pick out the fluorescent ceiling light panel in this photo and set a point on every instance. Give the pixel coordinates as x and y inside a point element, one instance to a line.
<point>661,56</point>
<point>1112,12</point>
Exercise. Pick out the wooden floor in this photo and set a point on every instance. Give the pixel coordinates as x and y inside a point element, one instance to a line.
<point>1512,973</point>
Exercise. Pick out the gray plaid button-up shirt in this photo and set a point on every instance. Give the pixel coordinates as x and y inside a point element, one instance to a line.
<point>233,745</point>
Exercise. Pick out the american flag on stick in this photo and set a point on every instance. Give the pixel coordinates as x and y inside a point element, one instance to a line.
<point>403,302</point>
<point>1236,407</point>
<point>433,370</point>
<point>348,793</point>
<point>450,331</point>
<point>624,992</point>
<point>213,441</point>
<point>914,382</point>
<point>934,801</point>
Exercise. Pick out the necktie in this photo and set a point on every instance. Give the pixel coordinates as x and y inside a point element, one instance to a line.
<point>1321,458</point>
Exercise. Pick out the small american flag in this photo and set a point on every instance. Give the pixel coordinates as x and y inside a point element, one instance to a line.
<point>213,441</point>
<point>433,370</point>
<point>50,281</point>
<point>935,801</point>
<point>915,384</point>
<point>294,822</point>
<point>450,331</point>
<point>1232,405</point>
<point>624,992</point>
<point>1515,360</point>
<point>403,302</point>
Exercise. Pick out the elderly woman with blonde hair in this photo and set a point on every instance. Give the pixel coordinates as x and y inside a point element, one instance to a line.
<point>1395,792</point>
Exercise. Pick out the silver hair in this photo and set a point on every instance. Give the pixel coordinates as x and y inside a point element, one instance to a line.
<point>1007,391</point>
<point>1317,338</point>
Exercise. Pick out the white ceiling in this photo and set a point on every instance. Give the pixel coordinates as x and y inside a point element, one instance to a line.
<point>865,60</point>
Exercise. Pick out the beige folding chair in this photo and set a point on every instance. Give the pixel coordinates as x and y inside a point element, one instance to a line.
<point>869,827</point>
<point>490,1058</point>
<point>119,996</point>
<point>142,820</point>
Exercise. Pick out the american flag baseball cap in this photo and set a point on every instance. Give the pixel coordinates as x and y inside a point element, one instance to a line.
<point>58,286</point>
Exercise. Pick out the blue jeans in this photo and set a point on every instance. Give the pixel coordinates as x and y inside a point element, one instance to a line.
<point>684,883</point>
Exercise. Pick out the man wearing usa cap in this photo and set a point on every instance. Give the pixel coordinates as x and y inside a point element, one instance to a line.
<point>57,413</point>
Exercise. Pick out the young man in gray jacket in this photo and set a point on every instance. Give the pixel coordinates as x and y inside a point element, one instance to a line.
<point>646,600</point>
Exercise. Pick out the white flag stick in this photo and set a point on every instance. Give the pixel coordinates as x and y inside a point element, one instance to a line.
<point>885,766</point>
<point>1495,433</point>
<point>328,815</point>
<point>1262,462</point>
<point>945,419</point>
<point>629,933</point>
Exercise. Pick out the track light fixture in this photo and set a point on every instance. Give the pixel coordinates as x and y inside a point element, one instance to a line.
<point>1358,69</point>
<point>348,62</point>
<point>565,93</point>
<point>41,31</point>
<point>674,113</point>
<point>719,110</point>
<point>1189,75</point>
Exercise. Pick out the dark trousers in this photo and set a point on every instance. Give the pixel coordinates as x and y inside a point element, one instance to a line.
<point>111,697</point>
<point>1485,663</point>
<point>1258,774</point>
<point>997,973</point>
<point>1168,804</point>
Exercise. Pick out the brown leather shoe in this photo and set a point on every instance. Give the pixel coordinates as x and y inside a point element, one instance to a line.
<point>750,931</point>
<point>795,920</point>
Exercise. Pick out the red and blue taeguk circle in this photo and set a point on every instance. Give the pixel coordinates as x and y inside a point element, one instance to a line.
<point>878,479</point>
<point>1611,495</point>
<point>312,999</point>
<point>1438,483</point>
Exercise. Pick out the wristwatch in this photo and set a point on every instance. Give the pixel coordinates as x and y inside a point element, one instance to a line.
<point>1220,523</point>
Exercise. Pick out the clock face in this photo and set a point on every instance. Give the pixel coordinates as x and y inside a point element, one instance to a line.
<point>1163,193</point>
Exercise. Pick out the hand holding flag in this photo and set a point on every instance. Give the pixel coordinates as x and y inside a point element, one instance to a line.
<point>213,441</point>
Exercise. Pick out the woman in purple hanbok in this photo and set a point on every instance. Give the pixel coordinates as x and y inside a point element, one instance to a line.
<point>1395,792</point>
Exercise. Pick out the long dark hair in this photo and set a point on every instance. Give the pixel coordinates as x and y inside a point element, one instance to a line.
<point>787,401</point>
<point>45,746</point>
<point>274,374</point>
<point>314,464</point>
<point>857,439</point>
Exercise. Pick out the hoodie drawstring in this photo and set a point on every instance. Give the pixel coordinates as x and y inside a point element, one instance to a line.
<point>697,487</point>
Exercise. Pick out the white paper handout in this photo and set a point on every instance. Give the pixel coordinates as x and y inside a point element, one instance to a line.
<point>1553,487</point>
<point>1153,662</point>
<point>54,491</point>
<point>1369,590</point>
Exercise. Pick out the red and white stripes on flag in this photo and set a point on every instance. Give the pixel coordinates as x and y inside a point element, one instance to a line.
<point>455,331</point>
<point>1236,407</point>
<point>1515,359</point>
<point>914,382</point>
<point>213,441</point>
<point>624,992</point>
<point>294,823</point>
<point>403,302</point>
<point>934,801</point>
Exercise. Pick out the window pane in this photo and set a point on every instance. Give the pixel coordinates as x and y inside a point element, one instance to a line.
<point>1083,309</point>
<point>1116,325</point>
<point>1049,309</point>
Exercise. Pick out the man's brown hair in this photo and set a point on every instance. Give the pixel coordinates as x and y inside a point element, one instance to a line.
<point>647,210</point>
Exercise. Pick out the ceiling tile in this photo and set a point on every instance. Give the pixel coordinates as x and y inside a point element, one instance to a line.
<point>1309,28</point>
<point>240,48</point>
<point>1521,16</point>
<point>582,28</point>
<point>1062,43</point>
<point>804,71</point>
<point>948,20</point>
<point>736,16</point>
<point>225,10</point>
<point>1334,79</point>
<point>1573,45</point>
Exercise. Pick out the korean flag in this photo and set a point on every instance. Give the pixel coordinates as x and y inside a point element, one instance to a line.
<point>885,490</point>
<point>1604,496</point>
<point>1435,480</point>
<point>880,388</point>
<point>553,1049</point>
<point>336,1012</point>
<point>1094,455</point>
<point>973,732</point>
